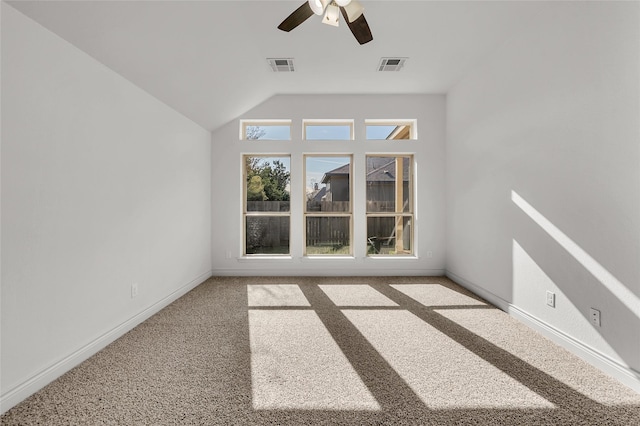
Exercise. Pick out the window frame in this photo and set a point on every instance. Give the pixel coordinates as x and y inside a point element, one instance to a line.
<point>398,214</point>
<point>306,214</point>
<point>246,213</point>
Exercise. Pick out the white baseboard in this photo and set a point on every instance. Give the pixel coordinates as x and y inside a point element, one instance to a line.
<point>603,362</point>
<point>329,272</point>
<point>46,376</point>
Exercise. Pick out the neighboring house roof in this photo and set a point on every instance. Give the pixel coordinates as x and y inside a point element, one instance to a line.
<point>319,194</point>
<point>383,169</point>
<point>342,170</point>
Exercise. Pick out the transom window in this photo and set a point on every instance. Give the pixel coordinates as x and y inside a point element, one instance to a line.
<point>326,130</point>
<point>279,130</point>
<point>390,129</point>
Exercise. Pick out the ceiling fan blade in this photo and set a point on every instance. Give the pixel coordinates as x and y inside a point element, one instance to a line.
<point>300,15</point>
<point>359,27</point>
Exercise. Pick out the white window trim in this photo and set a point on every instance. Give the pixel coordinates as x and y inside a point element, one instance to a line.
<point>306,214</point>
<point>296,152</point>
<point>412,203</point>
<point>245,213</point>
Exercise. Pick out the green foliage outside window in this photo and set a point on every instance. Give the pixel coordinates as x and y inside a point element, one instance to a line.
<point>267,181</point>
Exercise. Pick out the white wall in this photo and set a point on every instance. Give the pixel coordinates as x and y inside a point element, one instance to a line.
<point>429,155</point>
<point>553,114</point>
<point>102,186</point>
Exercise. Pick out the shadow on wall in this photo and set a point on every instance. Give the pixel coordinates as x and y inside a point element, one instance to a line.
<point>276,350</point>
<point>582,280</point>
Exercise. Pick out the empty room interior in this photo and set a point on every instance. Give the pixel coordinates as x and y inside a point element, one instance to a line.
<point>323,212</point>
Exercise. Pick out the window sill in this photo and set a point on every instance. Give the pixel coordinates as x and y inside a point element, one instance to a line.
<point>389,257</point>
<point>325,257</point>
<point>258,258</point>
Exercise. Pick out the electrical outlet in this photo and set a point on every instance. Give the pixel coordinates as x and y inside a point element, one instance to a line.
<point>228,254</point>
<point>134,290</point>
<point>551,299</point>
<point>595,317</point>
<point>429,254</point>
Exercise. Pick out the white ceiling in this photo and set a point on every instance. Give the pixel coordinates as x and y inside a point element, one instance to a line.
<point>207,59</point>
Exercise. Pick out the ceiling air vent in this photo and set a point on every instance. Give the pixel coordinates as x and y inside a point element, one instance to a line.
<point>281,64</point>
<point>391,64</point>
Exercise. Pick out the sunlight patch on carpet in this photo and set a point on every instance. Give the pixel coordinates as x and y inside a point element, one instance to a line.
<point>296,365</point>
<point>533,348</point>
<point>276,295</point>
<point>356,295</point>
<point>440,371</point>
<point>436,295</point>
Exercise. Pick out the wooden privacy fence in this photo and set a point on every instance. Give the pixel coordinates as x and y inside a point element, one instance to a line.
<point>327,206</point>
<point>381,206</point>
<point>268,206</point>
<point>330,231</point>
<point>273,231</point>
<point>327,231</point>
<point>267,231</point>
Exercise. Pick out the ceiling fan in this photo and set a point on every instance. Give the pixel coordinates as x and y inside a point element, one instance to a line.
<point>352,12</point>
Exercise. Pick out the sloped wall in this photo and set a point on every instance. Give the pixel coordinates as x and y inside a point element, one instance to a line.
<point>103,186</point>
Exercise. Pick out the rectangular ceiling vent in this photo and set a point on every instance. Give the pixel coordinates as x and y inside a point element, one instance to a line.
<point>281,64</point>
<point>391,64</point>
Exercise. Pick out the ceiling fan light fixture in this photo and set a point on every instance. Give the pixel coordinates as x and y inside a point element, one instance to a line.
<point>318,6</point>
<point>332,9</point>
<point>332,15</point>
<point>354,10</point>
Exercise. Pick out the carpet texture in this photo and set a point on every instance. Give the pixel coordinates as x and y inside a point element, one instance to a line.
<point>361,351</point>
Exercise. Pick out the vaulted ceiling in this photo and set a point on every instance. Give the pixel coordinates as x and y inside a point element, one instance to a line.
<point>207,59</point>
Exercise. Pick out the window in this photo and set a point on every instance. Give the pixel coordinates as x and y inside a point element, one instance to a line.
<point>324,224</point>
<point>279,130</point>
<point>327,211</point>
<point>325,130</point>
<point>390,129</point>
<point>389,205</point>
<point>266,211</point>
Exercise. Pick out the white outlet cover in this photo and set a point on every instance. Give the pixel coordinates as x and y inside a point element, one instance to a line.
<point>551,299</point>
<point>595,317</point>
<point>134,290</point>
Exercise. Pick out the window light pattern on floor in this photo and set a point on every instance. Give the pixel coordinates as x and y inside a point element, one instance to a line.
<point>297,360</point>
<point>295,363</point>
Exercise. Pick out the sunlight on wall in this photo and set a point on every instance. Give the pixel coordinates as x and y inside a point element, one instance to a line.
<point>618,289</point>
<point>529,278</point>
<point>529,284</point>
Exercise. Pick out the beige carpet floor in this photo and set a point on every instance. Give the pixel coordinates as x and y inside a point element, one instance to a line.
<point>362,351</point>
